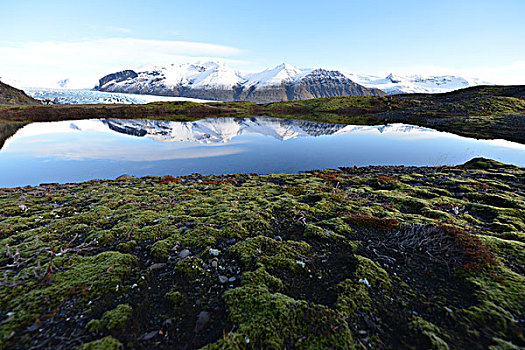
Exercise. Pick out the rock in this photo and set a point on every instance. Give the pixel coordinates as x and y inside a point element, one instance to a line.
<point>214,252</point>
<point>223,279</point>
<point>184,254</point>
<point>278,238</point>
<point>231,279</point>
<point>202,321</point>
<point>157,266</point>
<point>214,263</point>
<point>117,77</point>
<point>125,177</point>
<point>34,327</point>
<point>168,323</point>
<point>148,336</point>
<point>365,282</point>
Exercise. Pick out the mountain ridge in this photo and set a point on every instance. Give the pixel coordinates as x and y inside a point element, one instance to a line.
<point>284,82</point>
<point>216,81</point>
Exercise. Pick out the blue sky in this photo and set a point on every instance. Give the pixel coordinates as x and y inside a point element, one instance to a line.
<point>45,40</point>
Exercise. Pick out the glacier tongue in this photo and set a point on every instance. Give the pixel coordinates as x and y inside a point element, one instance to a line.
<point>72,96</point>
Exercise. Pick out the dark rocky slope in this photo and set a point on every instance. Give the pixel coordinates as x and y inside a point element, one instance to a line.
<point>12,96</point>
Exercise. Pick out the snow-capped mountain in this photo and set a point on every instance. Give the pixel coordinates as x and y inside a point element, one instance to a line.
<point>216,81</point>
<point>400,84</point>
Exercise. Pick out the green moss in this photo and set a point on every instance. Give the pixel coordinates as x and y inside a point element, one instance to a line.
<point>175,298</point>
<point>501,344</point>
<point>272,320</point>
<point>191,267</point>
<point>261,277</point>
<point>317,232</point>
<point>372,272</point>
<point>90,277</point>
<point>270,253</point>
<point>116,319</point>
<point>107,343</point>
<point>431,332</point>
<point>352,295</point>
<point>344,260</point>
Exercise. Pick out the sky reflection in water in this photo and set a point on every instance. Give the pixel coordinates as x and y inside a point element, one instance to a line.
<point>73,151</point>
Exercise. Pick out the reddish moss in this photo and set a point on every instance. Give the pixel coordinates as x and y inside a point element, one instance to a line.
<point>372,222</point>
<point>477,257</point>
<point>169,179</point>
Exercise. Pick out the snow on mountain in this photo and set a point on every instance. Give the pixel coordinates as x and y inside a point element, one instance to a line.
<point>151,78</point>
<point>216,81</point>
<point>399,84</point>
<point>217,76</point>
<point>275,76</point>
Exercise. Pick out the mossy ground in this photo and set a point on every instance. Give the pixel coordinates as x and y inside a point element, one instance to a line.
<point>374,257</point>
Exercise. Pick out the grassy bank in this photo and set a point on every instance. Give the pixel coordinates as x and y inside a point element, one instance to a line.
<point>374,257</point>
<point>481,112</point>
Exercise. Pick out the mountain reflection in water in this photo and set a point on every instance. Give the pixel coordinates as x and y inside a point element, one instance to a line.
<point>105,148</point>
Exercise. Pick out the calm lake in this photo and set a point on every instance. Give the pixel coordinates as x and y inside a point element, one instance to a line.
<point>73,151</point>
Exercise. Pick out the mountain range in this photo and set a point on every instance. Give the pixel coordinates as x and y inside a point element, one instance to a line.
<point>217,81</point>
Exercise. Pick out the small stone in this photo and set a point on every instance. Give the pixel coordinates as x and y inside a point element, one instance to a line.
<point>202,321</point>
<point>300,263</point>
<point>34,327</point>
<point>365,282</point>
<point>148,336</point>
<point>223,279</point>
<point>231,279</point>
<point>214,252</point>
<point>157,266</point>
<point>214,263</point>
<point>125,177</point>
<point>185,253</point>
<point>278,238</point>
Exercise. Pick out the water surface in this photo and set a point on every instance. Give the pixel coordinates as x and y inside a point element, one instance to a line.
<point>73,151</point>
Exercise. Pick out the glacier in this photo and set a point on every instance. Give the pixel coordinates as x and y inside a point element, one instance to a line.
<point>85,96</point>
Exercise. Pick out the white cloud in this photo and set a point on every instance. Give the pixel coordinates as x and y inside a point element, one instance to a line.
<point>42,64</point>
